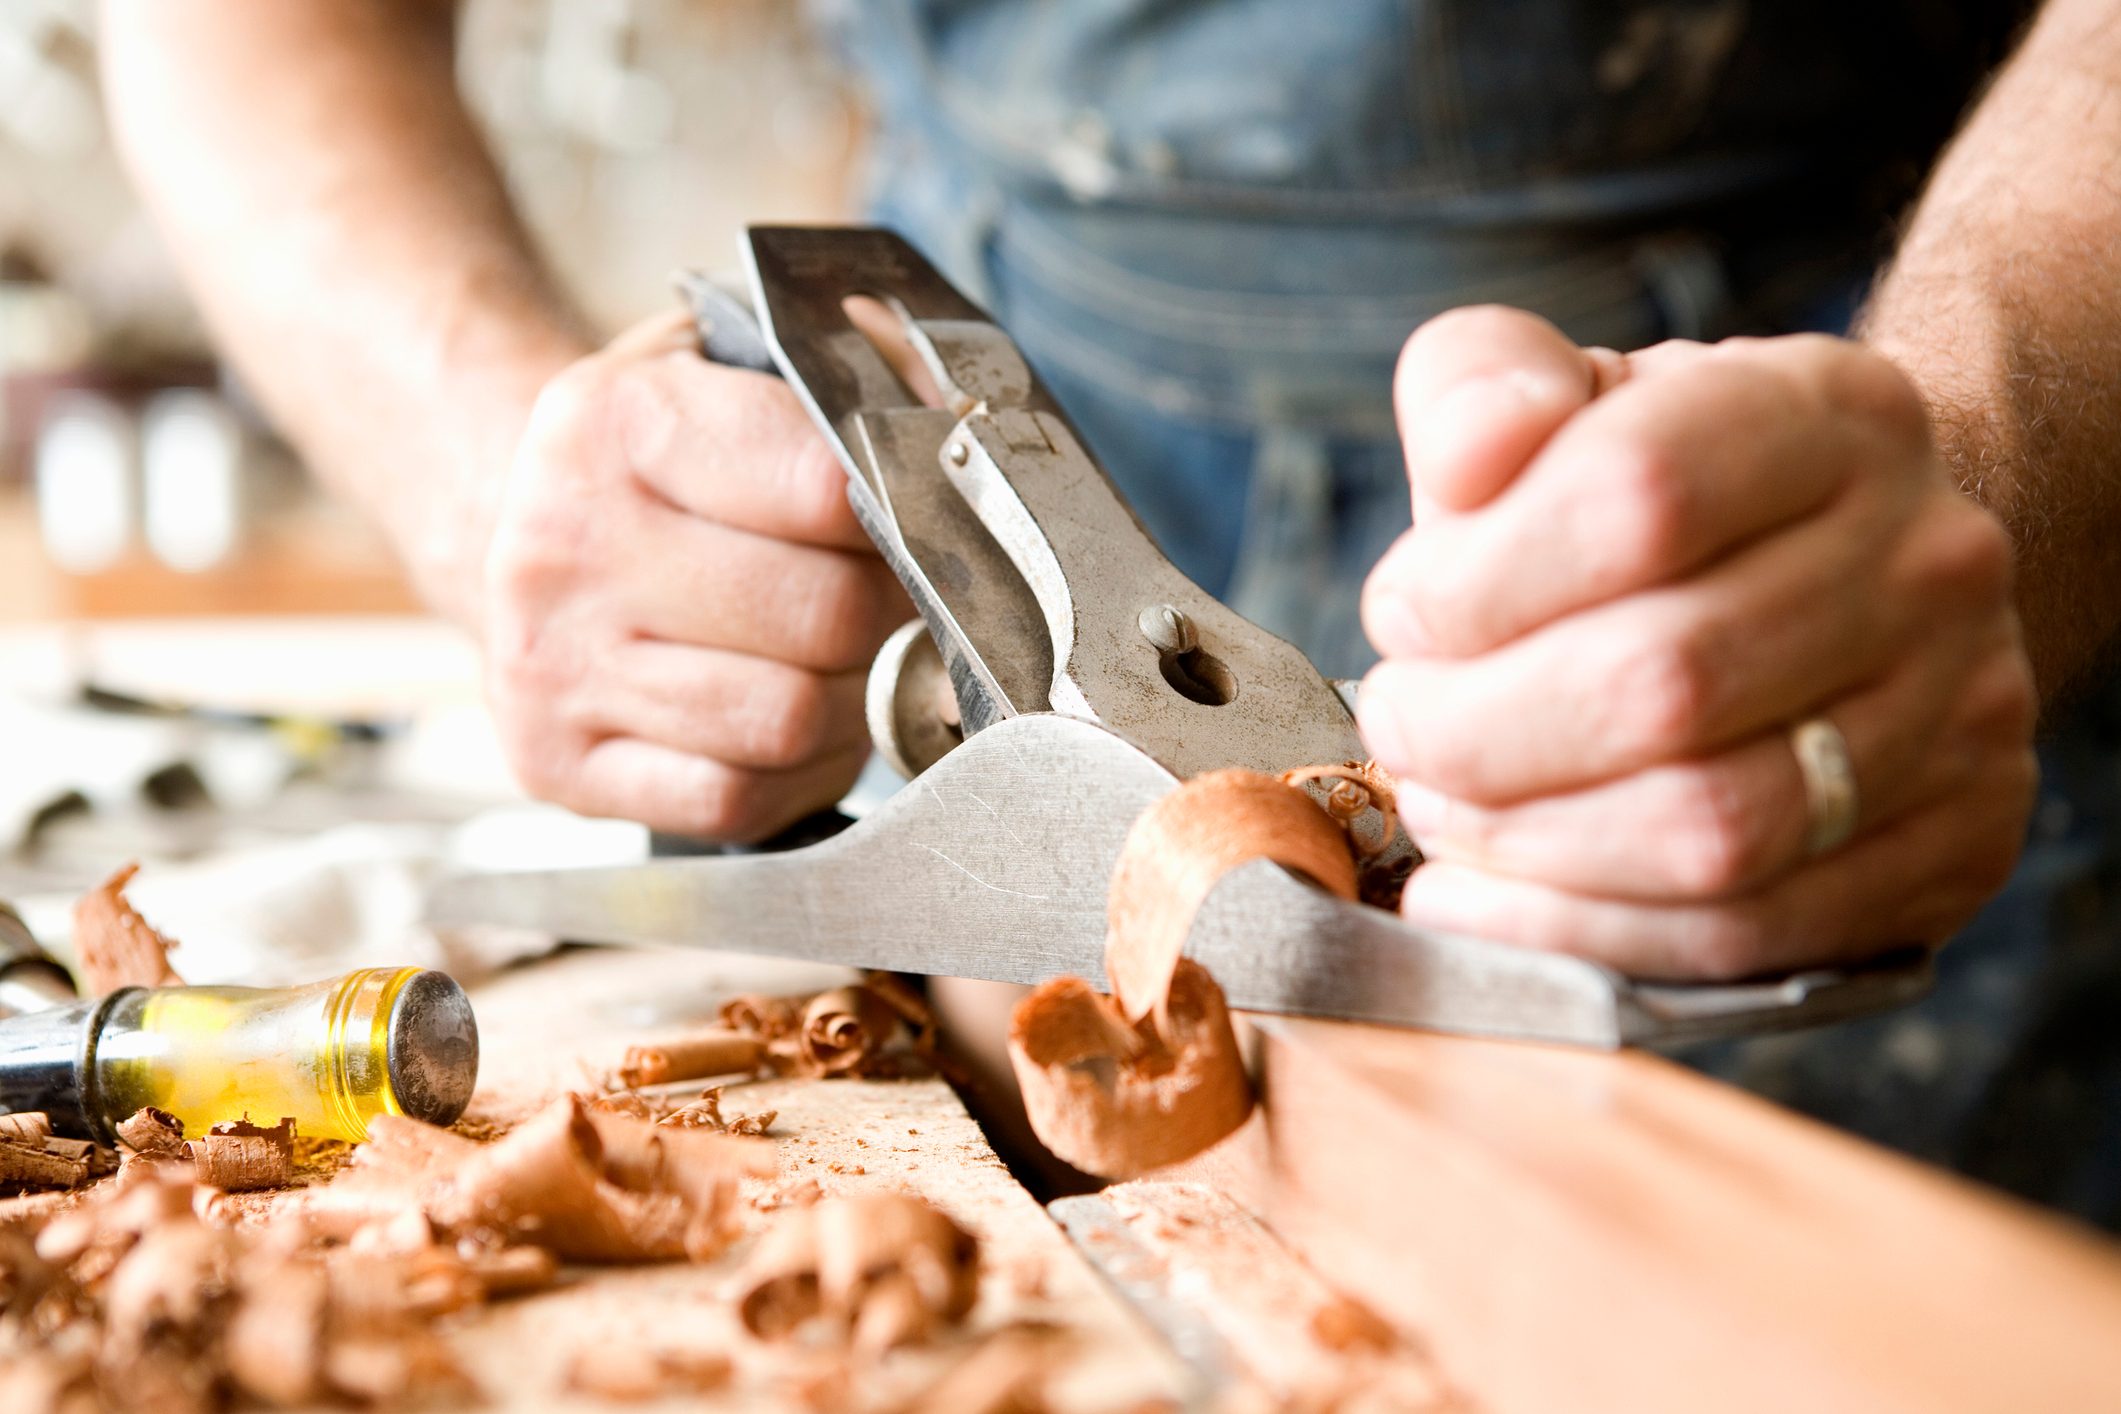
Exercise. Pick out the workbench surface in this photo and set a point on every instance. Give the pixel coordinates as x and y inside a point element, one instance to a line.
<point>543,1024</point>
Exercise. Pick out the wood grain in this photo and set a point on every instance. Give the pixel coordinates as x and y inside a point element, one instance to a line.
<point>1580,1231</point>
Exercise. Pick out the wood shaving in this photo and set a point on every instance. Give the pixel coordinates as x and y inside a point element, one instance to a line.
<point>590,1186</point>
<point>879,1027</point>
<point>1118,1099</point>
<point>1151,1075</point>
<point>706,1113</point>
<point>30,1127</point>
<point>114,946</point>
<point>130,1301</point>
<point>874,1271</point>
<point>31,1156</point>
<point>718,1051</point>
<point>239,1157</point>
<point>627,1372</point>
<point>151,1134</point>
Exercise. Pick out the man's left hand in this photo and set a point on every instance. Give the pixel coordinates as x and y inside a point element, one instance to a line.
<point>1629,579</point>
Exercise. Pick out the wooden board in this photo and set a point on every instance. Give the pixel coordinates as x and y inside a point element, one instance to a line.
<point>1575,1231</point>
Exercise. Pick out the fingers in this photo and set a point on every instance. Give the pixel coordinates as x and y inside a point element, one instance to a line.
<point>1654,480</point>
<point>1719,827</point>
<point>694,581</point>
<point>1477,391</point>
<point>1913,882</point>
<point>671,790</point>
<point>725,444</point>
<point>737,709</point>
<point>1656,677</point>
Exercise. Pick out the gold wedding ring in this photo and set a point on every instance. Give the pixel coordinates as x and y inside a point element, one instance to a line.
<point>1829,784</point>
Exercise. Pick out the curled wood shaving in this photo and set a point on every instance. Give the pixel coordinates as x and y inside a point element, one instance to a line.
<point>114,946</point>
<point>45,1163</point>
<point>718,1051</point>
<point>845,1029</point>
<point>875,1270</point>
<point>151,1133</point>
<point>1152,1075</point>
<point>878,1027</point>
<point>590,1186</point>
<point>28,1127</point>
<point>240,1157</point>
<point>1118,1099</point>
<point>770,1019</point>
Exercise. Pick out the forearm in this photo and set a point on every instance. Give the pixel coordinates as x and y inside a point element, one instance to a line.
<point>2003,305</point>
<point>330,202</point>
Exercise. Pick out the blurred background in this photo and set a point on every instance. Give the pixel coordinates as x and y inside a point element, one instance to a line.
<point>204,663</point>
<point>135,479</point>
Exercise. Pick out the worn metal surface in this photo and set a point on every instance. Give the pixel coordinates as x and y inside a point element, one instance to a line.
<point>995,864</point>
<point>980,612</point>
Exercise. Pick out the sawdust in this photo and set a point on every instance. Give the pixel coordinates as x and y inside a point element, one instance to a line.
<point>1151,1075</point>
<point>114,946</point>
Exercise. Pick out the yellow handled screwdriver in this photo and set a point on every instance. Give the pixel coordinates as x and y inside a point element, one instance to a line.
<point>333,1054</point>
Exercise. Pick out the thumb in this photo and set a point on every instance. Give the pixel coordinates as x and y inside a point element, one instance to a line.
<point>1478,390</point>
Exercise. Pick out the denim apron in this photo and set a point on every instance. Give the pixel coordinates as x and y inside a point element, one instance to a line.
<point>1212,225</point>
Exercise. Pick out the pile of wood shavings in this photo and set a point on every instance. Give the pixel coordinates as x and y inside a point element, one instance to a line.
<point>167,1289</point>
<point>878,1028</point>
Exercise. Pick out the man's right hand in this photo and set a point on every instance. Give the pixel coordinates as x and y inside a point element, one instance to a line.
<point>680,607</point>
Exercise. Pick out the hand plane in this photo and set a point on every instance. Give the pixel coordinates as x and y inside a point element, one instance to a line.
<point>1062,675</point>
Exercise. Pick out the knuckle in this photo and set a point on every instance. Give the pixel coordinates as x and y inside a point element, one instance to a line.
<point>574,401</point>
<point>1660,692</point>
<point>788,720</point>
<point>1873,388</point>
<point>816,486</point>
<point>1970,554</point>
<point>1715,847</point>
<point>1646,510</point>
<point>2002,702</point>
<point>1727,946</point>
<point>836,615</point>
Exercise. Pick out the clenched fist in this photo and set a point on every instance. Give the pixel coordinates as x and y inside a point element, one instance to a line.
<point>1629,579</point>
<point>679,605</point>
